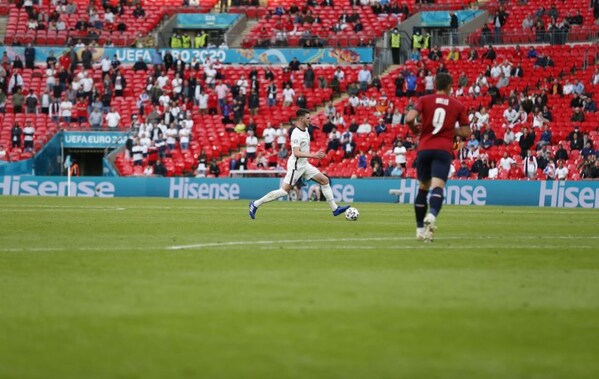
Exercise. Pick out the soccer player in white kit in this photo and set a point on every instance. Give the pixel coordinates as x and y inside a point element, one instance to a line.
<point>299,167</point>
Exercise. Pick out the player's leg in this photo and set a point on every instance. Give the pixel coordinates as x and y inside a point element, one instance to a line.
<point>423,169</point>
<point>421,208</point>
<point>290,179</point>
<point>439,170</point>
<point>325,186</point>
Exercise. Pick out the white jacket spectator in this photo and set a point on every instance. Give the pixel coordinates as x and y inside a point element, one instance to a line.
<point>364,128</point>
<point>113,118</point>
<point>269,135</point>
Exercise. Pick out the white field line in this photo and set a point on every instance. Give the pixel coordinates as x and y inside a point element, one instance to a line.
<point>304,244</point>
<point>303,241</point>
<point>423,246</point>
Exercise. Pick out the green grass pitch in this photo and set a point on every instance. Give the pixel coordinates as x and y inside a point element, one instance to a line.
<point>155,288</point>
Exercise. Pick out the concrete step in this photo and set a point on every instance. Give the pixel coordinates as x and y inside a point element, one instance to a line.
<point>237,41</point>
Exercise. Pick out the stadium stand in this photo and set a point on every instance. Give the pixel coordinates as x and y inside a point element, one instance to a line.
<point>77,20</point>
<point>548,77</point>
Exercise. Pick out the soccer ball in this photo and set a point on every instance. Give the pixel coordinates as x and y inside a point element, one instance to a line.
<point>352,214</point>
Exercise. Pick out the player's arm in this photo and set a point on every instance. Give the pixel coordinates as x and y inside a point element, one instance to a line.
<point>411,121</point>
<point>463,131</point>
<point>300,154</point>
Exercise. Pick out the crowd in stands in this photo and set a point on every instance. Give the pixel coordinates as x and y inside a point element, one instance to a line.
<point>532,111</point>
<point>96,23</point>
<point>540,21</point>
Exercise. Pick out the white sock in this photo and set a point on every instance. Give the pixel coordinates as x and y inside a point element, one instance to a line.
<point>328,194</point>
<point>272,195</point>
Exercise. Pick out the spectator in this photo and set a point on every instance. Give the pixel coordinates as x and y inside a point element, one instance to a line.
<point>577,116</point>
<point>251,143</point>
<point>364,78</point>
<point>214,170</point>
<point>561,172</point>
<point>288,96</point>
<point>381,127</point>
<point>530,165</point>
<point>139,12</point>
<point>377,170</point>
<point>113,119</point>
<point>515,172</point>
<point>506,162</point>
<point>561,154</point>
<point>463,172</point>
<point>95,119</point>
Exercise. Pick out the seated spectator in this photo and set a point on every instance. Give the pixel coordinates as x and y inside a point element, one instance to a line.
<point>139,12</point>
<point>588,150</point>
<point>515,172</point>
<point>545,137</point>
<point>463,172</point>
<point>576,142</point>
<point>364,127</point>
<point>577,116</point>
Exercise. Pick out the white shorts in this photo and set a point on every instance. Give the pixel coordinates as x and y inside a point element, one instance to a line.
<point>307,172</point>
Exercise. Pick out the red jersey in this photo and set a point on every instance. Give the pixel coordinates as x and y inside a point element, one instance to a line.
<point>439,115</point>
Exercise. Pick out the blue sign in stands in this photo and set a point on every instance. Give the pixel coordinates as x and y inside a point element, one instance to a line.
<point>206,20</point>
<point>93,140</point>
<point>563,194</point>
<point>441,18</point>
<point>241,56</point>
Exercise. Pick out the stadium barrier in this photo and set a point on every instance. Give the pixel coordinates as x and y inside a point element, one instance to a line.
<point>274,55</point>
<point>566,194</point>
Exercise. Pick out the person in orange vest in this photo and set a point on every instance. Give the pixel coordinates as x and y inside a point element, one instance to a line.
<point>74,169</point>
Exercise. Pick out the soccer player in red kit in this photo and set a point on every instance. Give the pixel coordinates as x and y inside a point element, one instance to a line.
<point>442,117</point>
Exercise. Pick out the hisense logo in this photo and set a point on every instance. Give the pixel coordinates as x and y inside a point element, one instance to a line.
<point>183,189</point>
<point>459,195</point>
<point>31,186</point>
<point>557,194</point>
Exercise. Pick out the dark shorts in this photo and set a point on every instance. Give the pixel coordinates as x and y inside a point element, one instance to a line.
<point>433,164</point>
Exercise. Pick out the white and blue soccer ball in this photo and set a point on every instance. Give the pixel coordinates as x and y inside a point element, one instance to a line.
<point>352,214</point>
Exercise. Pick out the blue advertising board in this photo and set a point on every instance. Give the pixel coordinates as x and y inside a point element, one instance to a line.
<point>441,18</point>
<point>563,194</point>
<point>206,20</point>
<point>241,56</point>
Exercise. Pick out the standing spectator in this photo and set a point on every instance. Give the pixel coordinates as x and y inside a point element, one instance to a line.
<point>17,101</point>
<point>28,132</point>
<point>530,165</point>
<point>364,78</point>
<point>95,119</point>
<point>453,26</point>
<point>288,96</point>
<point>222,90</point>
<point>271,91</point>
<point>31,103</point>
<point>29,56</point>
<point>269,136</point>
<point>81,108</point>
<point>15,135</point>
<point>251,143</point>
<point>113,119</point>
<point>561,172</point>
<point>309,76</point>
<point>400,154</point>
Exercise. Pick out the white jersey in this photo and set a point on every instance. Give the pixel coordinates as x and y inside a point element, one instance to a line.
<point>299,138</point>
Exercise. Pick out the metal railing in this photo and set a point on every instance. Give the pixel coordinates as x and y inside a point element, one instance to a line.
<point>297,40</point>
<point>478,39</point>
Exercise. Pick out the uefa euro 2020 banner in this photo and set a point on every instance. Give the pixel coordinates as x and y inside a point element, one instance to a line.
<point>564,194</point>
<point>240,56</point>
